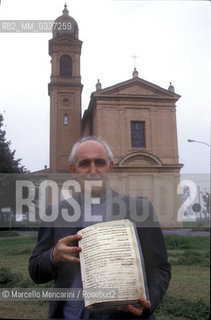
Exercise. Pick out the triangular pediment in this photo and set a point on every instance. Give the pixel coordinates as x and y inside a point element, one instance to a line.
<point>136,87</point>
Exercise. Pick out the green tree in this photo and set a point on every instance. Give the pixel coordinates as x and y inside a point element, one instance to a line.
<point>8,163</point>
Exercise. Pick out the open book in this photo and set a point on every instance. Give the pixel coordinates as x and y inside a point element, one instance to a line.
<point>111,259</point>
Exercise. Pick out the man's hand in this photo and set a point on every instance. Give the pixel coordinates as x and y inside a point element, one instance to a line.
<point>145,304</point>
<point>63,252</point>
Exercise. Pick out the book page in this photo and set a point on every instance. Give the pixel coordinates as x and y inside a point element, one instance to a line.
<point>110,259</point>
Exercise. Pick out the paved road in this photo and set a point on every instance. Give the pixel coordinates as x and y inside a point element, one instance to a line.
<point>27,233</point>
<point>187,232</point>
<point>181,232</point>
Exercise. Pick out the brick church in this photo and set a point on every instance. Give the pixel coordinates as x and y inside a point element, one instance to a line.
<point>136,118</point>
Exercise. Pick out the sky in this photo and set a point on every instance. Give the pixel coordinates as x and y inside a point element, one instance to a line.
<point>170,38</point>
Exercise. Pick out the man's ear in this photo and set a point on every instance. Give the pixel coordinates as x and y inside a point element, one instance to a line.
<point>111,165</point>
<point>72,168</point>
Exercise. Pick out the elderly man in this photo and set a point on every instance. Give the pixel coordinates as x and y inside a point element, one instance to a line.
<point>56,255</point>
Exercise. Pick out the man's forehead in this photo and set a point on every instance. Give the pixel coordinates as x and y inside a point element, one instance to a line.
<point>89,147</point>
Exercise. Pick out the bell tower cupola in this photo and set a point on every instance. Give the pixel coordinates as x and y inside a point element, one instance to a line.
<point>65,25</point>
<point>65,90</point>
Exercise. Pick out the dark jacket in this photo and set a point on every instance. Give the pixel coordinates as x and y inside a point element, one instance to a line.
<point>158,274</point>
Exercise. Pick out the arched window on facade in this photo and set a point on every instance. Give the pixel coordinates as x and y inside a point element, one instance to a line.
<point>65,119</point>
<point>66,66</point>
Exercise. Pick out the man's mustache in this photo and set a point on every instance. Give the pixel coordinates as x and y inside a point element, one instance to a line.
<point>93,177</point>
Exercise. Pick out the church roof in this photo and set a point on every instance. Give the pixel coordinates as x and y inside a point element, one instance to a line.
<point>137,87</point>
<point>133,89</point>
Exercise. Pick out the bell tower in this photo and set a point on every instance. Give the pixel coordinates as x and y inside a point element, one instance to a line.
<point>64,90</point>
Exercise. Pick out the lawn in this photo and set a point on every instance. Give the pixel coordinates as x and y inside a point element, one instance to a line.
<point>188,295</point>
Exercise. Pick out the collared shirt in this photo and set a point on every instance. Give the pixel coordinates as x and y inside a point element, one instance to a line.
<point>74,310</point>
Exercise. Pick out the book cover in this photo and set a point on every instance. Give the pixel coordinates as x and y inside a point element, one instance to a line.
<point>111,258</point>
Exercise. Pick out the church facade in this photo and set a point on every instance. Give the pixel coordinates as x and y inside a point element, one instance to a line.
<point>135,117</point>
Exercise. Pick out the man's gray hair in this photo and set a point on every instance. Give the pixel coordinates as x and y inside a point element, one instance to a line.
<point>90,138</point>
